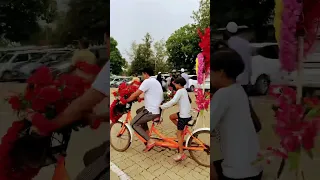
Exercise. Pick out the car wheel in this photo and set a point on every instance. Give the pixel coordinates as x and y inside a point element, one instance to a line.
<point>6,76</point>
<point>262,85</point>
<point>192,88</point>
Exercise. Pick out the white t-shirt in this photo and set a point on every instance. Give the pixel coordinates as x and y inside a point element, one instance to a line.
<point>239,140</point>
<point>102,81</point>
<point>186,77</point>
<point>242,47</point>
<point>181,97</point>
<point>153,95</point>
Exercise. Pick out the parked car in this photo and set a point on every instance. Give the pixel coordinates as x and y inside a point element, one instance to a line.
<point>266,67</point>
<point>101,54</point>
<point>207,84</point>
<point>115,80</point>
<point>25,70</point>
<point>193,82</point>
<point>11,60</point>
<point>125,79</point>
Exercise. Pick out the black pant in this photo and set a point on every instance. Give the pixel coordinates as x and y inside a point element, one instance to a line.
<point>217,165</point>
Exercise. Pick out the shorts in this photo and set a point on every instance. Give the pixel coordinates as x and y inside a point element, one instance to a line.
<point>182,122</point>
<point>218,168</point>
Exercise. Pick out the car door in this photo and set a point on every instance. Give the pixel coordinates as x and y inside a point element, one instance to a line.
<point>19,59</point>
<point>265,61</point>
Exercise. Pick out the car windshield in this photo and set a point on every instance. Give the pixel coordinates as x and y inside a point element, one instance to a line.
<point>52,57</point>
<point>6,58</point>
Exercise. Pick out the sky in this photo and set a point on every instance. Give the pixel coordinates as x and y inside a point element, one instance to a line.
<point>130,20</point>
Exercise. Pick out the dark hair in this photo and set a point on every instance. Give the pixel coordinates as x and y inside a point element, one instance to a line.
<point>229,61</point>
<point>148,70</point>
<point>181,81</point>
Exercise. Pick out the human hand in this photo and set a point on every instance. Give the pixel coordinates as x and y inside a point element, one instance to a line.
<point>93,120</point>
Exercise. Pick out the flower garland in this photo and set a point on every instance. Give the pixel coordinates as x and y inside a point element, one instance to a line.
<point>44,99</point>
<point>296,125</point>
<point>203,70</point>
<point>288,42</point>
<point>200,68</point>
<point>120,106</point>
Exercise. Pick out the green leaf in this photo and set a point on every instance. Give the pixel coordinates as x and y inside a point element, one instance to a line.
<point>313,112</point>
<point>294,160</point>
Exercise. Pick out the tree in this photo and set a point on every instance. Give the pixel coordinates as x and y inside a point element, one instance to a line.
<point>84,19</point>
<point>20,18</point>
<point>202,15</point>
<point>253,13</point>
<point>117,62</point>
<point>143,55</point>
<point>183,48</point>
<point>161,56</point>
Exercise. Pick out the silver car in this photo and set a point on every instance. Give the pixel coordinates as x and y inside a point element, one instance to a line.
<point>9,61</point>
<point>25,70</point>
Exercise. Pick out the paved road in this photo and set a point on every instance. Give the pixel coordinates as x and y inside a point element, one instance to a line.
<point>158,163</point>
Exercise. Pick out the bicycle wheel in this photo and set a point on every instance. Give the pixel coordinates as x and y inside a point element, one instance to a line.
<point>120,136</point>
<point>201,157</point>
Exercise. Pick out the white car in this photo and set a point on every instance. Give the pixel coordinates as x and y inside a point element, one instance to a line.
<point>10,60</point>
<point>207,84</point>
<point>193,83</point>
<point>266,67</point>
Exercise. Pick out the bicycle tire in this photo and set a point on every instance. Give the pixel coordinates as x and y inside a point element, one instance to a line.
<point>192,151</point>
<point>129,139</point>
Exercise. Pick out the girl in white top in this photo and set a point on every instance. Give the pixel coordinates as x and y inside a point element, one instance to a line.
<point>181,118</point>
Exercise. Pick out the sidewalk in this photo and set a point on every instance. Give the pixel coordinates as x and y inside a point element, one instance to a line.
<point>158,164</point>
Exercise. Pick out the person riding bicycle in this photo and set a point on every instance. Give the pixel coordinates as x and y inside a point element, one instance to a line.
<point>96,160</point>
<point>181,118</point>
<point>153,97</point>
<point>230,109</point>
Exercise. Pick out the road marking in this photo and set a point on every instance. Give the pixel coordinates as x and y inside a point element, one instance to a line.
<point>122,175</point>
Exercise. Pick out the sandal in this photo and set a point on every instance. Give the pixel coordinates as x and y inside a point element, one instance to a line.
<point>149,147</point>
<point>180,157</point>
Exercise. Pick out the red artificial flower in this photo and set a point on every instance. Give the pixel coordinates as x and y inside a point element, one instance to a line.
<point>290,143</point>
<point>123,100</point>
<point>43,124</point>
<point>60,106</point>
<point>115,93</point>
<point>88,68</point>
<point>68,93</point>
<point>39,105</point>
<point>205,46</point>
<point>72,80</point>
<point>15,102</point>
<point>42,77</point>
<point>50,94</point>
<point>309,135</point>
<point>311,101</point>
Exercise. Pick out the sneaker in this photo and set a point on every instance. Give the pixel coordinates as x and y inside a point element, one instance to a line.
<point>180,157</point>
